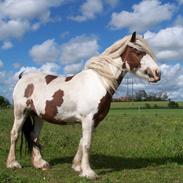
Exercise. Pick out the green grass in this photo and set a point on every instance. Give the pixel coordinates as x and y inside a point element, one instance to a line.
<point>142,104</point>
<point>130,145</point>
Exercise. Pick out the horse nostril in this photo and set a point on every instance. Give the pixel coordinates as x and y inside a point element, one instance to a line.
<point>158,74</point>
<point>146,72</point>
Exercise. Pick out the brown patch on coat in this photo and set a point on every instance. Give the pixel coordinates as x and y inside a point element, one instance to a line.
<point>119,79</point>
<point>29,90</point>
<point>124,66</point>
<point>30,104</point>
<point>68,78</point>
<point>51,107</point>
<point>50,78</point>
<point>133,57</point>
<point>103,109</point>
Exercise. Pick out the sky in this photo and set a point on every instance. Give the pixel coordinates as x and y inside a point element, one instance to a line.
<point>59,36</point>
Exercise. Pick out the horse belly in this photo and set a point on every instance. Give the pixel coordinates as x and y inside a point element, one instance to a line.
<point>59,110</point>
<point>61,117</point>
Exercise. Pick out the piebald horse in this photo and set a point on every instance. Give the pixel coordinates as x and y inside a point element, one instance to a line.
<point>83,98</point>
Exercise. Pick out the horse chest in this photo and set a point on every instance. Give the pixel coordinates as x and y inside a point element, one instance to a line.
<point>103,109</point>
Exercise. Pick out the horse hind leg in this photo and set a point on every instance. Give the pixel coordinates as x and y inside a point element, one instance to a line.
<point>37,160</point>
<point>19,118</point>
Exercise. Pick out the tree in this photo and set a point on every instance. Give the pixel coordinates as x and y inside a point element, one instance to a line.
<point>4,102</point>
<point>141,95</point>
<point>173,105</point>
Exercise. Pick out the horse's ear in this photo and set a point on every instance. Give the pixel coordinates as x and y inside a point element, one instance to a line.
<point>133,38</point>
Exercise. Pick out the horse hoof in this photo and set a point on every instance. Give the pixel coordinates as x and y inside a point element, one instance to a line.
<point>46,166</point>
<point>77,168</point>
<point>13,164</point>
<point>90,174</point>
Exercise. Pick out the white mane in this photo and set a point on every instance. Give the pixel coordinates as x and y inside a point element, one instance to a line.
<point>101,64</point>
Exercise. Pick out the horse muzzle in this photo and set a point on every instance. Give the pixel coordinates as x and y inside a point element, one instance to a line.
<point>154,75</point>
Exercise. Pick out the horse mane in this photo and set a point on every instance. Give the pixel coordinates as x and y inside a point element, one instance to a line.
<point>101,63</point>
<point>116,49</point>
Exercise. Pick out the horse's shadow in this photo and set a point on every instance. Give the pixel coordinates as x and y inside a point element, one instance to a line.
<point>117,163</point>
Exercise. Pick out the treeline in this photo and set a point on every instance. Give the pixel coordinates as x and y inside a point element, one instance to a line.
<point>142,95</point>
<point>170,105</point>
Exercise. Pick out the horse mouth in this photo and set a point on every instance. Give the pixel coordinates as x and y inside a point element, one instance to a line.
<point>154,79</point>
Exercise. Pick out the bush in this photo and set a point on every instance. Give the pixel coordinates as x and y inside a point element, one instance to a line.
<point>173,105</point>
<point>155,106</point>
<point>147,106</point>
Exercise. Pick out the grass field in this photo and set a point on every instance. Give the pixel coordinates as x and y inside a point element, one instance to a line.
<point>130,145</point>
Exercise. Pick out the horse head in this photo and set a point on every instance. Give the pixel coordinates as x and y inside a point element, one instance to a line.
<point>139,59</point>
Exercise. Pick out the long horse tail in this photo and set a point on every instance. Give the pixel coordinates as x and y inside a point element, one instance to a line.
<point>27,130</point>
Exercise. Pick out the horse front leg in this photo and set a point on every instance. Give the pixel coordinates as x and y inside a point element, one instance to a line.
<point>76,164</point>
<point>87,128</point>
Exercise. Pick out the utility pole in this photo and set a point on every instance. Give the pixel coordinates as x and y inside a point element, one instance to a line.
<point>127,90</point>
<point>132,87</point>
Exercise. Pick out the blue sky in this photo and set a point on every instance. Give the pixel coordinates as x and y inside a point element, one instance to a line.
<point>58,36</point>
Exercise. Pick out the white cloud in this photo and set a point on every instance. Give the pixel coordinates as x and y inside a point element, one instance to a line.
<point>7,45</point>
<point>79,49</point>
<point>89,10</point>
<point>179,20</point>
<point>73,68</point>
<point>1,64</point>
<point>145,15</point>
<point>17,16</point>
<point>180,1</point>
<point>171,83</point>
<point>76,50</point>
<point>48,68</point>
<point>35,26</point>
<point>27,9</point>
<point>13,29</point>
<point>172,79</point>
<point>167,43</point>
<point>46,52</point>
<point>16,65</point>
<point>112,3</point>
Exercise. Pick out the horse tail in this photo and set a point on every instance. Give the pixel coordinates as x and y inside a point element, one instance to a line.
<point>27,130</point>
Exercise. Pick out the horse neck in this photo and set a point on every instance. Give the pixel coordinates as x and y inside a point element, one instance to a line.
<point>118,71</point>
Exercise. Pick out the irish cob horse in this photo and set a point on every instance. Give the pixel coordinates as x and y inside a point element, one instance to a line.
<point>83,98</point>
